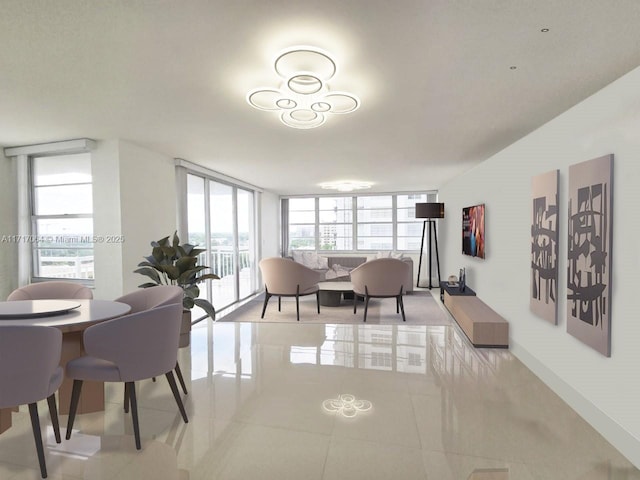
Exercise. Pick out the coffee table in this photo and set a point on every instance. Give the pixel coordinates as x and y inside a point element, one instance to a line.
<point>331,292</point>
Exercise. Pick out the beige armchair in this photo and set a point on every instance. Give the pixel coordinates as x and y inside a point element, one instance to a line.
<point>380,278</point>
<point>285,278</point>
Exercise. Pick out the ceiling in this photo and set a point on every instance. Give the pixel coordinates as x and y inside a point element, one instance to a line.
<point>435,79</point>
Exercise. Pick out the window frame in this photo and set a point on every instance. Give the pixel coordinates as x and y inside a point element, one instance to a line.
<point>34,218</point>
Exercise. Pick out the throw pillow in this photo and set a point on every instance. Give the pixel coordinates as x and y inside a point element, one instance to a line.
<point>314,261</point>
<point>298,256</point>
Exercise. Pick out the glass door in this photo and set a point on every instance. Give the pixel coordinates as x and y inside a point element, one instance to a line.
<point>221,218</point>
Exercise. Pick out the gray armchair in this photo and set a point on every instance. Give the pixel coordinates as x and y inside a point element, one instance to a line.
<point>285,278</point>
<point>51,290</point>
<point>380,278</point>
<point>127,349</point>
<point>153,297</point>
<point>29,372</point>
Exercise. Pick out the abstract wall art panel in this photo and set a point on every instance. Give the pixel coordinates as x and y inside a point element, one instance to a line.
<point>589,252</point>
<point>544,246</point>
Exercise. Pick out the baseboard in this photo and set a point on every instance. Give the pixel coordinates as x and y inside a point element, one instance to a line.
<point>616,434</point>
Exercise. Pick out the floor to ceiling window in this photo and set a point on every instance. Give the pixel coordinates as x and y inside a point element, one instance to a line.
<point>221,218</point>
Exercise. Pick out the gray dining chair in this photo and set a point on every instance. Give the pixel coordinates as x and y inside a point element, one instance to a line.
<point>380,278</point>
<point>153,297</point>
<point>51,290</point>
<point>285,278</point>
<point>128,349</point>
<point>30,371</point>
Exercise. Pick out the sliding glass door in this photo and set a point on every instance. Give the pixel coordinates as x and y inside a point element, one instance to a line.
<point>221,218</point>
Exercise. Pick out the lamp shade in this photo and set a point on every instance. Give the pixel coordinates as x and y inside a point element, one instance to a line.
<point>429,210</point>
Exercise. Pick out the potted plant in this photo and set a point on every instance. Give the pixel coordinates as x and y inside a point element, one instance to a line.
<point>173,264</point>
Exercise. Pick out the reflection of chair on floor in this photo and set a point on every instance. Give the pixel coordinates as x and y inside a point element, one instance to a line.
<point>380,278</point>
<point>285,278</point>
<point>29,372</point>
<point>51,290</point>
<point>158,461</point>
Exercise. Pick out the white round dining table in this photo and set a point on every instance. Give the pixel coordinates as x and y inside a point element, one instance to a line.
<point>88,312</point>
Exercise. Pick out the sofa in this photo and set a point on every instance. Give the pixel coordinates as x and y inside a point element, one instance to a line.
<point>338,268</point>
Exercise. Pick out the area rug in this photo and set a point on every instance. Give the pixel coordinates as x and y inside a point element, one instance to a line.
<point>420,309</point>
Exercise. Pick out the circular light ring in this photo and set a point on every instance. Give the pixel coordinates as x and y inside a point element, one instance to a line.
<point>321,107</point>
<point>305,84</point>
<point>286,103</point>
<point>304,115</point>
<point>264,98</point>
<point>304,59</point>
<point>342,102</point>
<point>293,122</point>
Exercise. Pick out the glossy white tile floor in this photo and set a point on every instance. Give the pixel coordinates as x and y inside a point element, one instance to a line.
<point>440,410</point>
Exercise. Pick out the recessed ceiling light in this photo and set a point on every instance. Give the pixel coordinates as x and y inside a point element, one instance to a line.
<point>346,186</point>
<point>544,30</point>
<point>303,99</point>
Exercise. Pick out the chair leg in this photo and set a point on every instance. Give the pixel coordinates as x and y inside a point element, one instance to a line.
<point>267,296</point>
<point>126,397</point>
<point>181,379</point>
<point>73,408</point>
<point>53,414</point>
<point>37,436</point>
<point>279,303</point>
<point>176,395</point>
<point>131,388</point>
<point>366,302</point>
<point>318,300</point>
<point>397,305</point>
<point>355,302</point>
<point>400,302</point>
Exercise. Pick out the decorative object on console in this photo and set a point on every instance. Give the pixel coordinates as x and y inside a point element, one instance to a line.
<point>544,246</point>
<point>429,211</point>
<point>303,98</point>
<point>473,231</point>
<point>589,252</point>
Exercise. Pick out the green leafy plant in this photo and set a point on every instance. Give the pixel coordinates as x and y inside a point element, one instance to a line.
<point>173,264</point>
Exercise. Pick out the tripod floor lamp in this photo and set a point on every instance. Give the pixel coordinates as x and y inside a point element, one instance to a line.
<point>429,211</point>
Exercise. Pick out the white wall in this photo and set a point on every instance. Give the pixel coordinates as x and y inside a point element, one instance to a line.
<point>605,391</point>
<point>105,169</point>
<point>148,202</point>
<point>8,226</point>
<point>135,199</point>
<point>270,225</point>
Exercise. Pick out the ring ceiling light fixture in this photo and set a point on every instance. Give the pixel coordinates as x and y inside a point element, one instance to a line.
<point>346,186</point>
<point>304,99</point>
